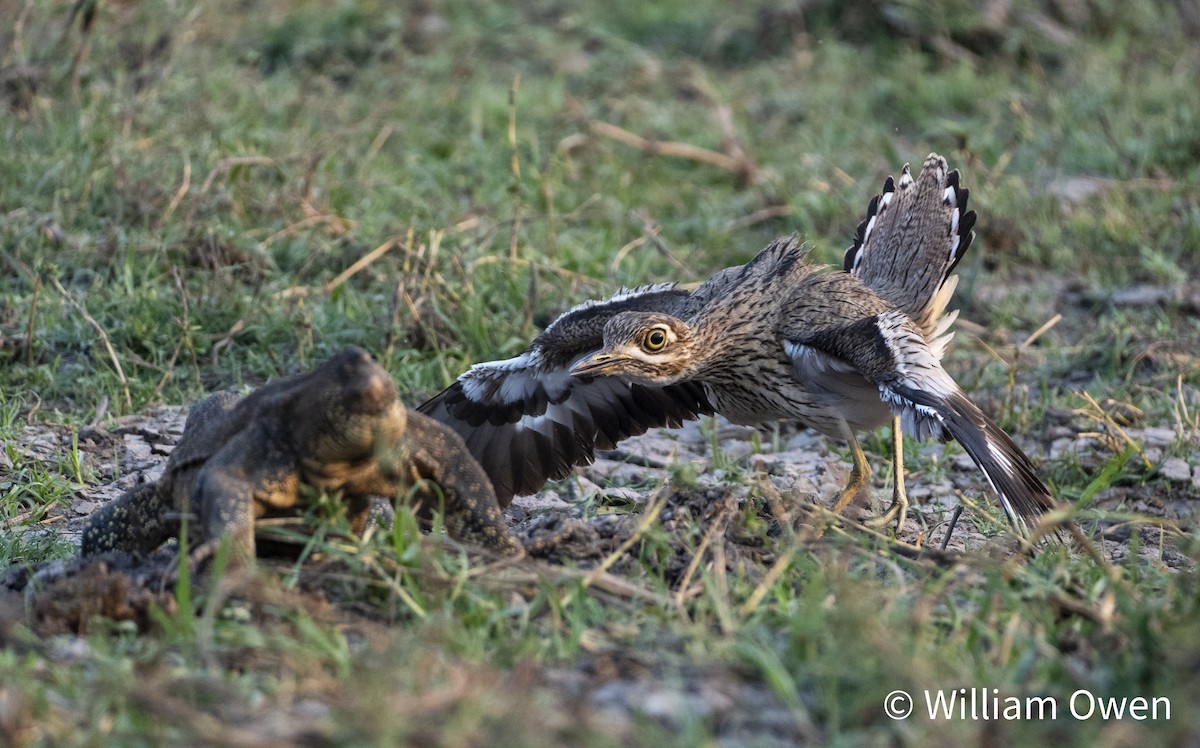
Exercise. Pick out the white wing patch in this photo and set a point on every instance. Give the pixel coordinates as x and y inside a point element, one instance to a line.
<point>917,364</point>
<point>918,421</point>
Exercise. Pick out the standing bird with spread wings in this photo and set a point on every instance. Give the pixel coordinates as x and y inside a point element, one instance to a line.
<point>842,351</point>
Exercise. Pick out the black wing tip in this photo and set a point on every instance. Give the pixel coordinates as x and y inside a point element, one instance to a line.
<point>860,232</point>
<point>435,402</point>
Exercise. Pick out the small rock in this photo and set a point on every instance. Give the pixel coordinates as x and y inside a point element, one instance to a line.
<point>1176,470</point>
<point>737,450</point>
<point>622,494</point>
<point>671,707</point>
<point>312,709</point>
<point>1156,436</point>
<point>137,448</point>
<point>613,471</point>
<point>543,501</point>
<point>585,489</point>
<point>807,440</point>
<point>69,649</point>
<point>85,507</point>
<point>727,431</point>
<point>1060,447</point>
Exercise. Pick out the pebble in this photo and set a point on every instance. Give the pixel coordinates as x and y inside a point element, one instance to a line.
<point>1175,469</point>
<point>1154,436</point>
<point>137,449</point>
<point>543,501</point>
<point>623,494</point>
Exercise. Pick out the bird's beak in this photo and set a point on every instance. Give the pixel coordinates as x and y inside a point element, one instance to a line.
<point>596,365</point>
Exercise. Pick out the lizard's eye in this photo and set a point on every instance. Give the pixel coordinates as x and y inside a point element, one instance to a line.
<point>655,340</point>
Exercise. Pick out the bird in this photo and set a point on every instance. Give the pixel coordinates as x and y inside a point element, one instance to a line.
<point>842,351</point>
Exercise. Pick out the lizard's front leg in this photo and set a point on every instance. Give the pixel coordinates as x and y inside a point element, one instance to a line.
<point>472,514</point>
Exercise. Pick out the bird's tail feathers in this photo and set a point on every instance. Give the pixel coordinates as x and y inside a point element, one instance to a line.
<point>1012,476</point>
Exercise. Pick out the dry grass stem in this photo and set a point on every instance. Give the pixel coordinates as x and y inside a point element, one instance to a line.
<point>112,355</point>
<point>668,148</point>
<point>1095,412</point>
<point>361,263</point>
<point>180,193</point>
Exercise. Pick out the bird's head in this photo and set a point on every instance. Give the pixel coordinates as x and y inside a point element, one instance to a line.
<point>644,347</point>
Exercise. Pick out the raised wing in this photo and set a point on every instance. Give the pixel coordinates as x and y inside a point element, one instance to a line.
<point>527,420</point>
<point>914,234</point>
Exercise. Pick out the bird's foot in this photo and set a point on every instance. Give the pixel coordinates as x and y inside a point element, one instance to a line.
<point>898,512</point>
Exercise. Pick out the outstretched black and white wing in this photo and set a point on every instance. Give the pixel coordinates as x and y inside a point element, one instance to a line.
<point>528,420</point>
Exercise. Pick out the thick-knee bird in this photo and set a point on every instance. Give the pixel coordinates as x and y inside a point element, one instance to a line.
<point>842,351</point>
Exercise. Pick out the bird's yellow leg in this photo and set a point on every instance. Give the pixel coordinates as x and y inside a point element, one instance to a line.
<point>858,473</point>
<point>899,508</point>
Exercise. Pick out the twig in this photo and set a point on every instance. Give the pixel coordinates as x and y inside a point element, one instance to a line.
<point>103,338</point>
<point>1184,421</point>
<point>515,235</point>
<point>772,576</point>
<point>723,115</point>
<point>1040,331</point>
<point>651,231</point>
<point>15,520</point>
<point>185,339</point>
<point>633,458</point>
<point>338,225</point>
<point>621,253</point>
<point>515,159</point>
<point>900,548</point>
<point>667,147</point>
<point>101,411</point>
<point>774,500</point>
<point>1106,419</point>
<point>721,582</point>
<point>226,341</point>
<point>17,50</point>
<point>522,262</point>
<point>377,144</point>
<point>27,344</point>
<point>760,215</point>
<point>87,24</point>
<point>361,263</point>
<point>177,198</point>
<point>717,525</point>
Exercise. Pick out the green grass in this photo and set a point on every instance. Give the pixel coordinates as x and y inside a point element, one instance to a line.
<point>218,164</point>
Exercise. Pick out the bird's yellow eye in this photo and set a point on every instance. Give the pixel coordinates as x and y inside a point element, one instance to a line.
<point>655,340</point>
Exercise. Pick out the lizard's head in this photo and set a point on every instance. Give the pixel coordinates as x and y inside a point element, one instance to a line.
<point>643,347</point>
<point>352,406</point>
